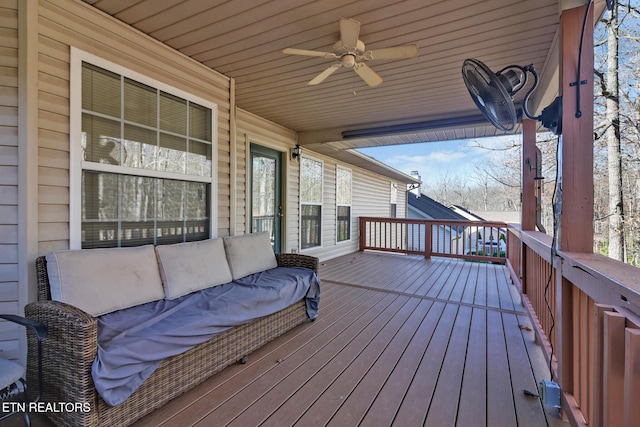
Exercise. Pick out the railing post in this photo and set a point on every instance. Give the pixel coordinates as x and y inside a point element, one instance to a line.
<point>362,230</point>
<point>428,241</point>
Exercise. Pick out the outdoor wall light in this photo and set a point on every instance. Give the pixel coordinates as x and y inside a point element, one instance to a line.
<point>296,151</point>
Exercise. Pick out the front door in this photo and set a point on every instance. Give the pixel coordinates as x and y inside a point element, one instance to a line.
<point>266,193</point>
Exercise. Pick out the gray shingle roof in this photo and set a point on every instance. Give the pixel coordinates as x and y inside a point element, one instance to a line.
<point>431,208</point>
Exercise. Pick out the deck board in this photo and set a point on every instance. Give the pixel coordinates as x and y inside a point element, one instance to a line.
<point>370,386</point>
<point>474,410</point>
<point>444,405</point>
<point>500,408</point>
<point>400,340</point>
<point>383,409</point>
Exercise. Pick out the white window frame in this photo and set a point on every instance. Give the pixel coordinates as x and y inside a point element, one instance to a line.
<point>321,204</point>
<point>78,164</point>
<point>350,205</point>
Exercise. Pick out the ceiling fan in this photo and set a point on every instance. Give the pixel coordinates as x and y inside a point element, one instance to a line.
<point>351,53</point>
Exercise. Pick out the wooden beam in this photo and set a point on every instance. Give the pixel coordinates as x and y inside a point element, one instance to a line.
<point>576,222</point>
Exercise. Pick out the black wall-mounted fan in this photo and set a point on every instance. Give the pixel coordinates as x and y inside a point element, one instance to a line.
<point>493,94</point>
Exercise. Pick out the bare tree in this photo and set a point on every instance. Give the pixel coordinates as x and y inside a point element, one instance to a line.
<point>616,205</point>
<point>617,111</point>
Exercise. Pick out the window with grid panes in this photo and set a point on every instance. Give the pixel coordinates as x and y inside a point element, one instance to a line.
<point>146,163</point>
<point>394,201</point>
<point>310,203</point>
<point>343,204</point>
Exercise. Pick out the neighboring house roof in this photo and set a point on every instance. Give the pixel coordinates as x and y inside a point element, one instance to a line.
<point>466,214</point>
<point>508,217</point>
<point>431,208</point>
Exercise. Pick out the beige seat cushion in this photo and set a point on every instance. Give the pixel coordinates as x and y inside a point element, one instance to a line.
<point>189,267</point>
<point>100,281</point>
<point>249,254</point>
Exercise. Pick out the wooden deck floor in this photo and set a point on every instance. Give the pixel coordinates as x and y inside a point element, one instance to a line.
<point>399,341</point>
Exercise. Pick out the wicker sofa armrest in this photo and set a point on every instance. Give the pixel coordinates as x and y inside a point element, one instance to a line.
<point>68,351</point>
<point>297,260</point>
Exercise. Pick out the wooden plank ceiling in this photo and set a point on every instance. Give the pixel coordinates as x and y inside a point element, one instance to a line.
<point>244,40</point>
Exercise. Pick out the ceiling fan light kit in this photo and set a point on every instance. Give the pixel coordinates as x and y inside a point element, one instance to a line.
<point>351,53</point>
<point>493,95</point>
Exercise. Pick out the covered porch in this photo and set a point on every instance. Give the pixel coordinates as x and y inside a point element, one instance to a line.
<point>401,340</point>
<point>442,339</point>
<point>438,338</point>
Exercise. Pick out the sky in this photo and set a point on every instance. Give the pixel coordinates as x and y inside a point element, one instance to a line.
<point>434,160</point>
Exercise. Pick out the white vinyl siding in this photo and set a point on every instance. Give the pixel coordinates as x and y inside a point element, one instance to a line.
<point>9,218</point>
<point>371,194</point>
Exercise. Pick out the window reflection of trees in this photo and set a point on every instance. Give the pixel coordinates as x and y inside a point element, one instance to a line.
<point>311,181</point>
<point>130,125</point>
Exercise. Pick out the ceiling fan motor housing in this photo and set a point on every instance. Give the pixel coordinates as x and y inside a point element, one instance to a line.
<point>340,49</point>
<point>511,81</point>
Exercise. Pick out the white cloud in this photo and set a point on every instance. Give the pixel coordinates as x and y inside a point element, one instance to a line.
<point>436,159</point>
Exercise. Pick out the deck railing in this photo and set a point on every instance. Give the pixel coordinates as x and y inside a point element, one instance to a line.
<point>470,240</point>
<point>586,310</point>
<point>586,307</point>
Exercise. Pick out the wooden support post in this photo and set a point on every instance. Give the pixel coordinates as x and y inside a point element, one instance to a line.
<point>576,221</point>
<point>528,211</point>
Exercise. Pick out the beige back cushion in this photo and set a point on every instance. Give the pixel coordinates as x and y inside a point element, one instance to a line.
<point>189,267</point>
<point>249,254</point>
<point>100,281</point>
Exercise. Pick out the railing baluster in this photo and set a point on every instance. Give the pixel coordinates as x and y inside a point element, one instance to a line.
<point>613,409</point>
<point>631,377</point>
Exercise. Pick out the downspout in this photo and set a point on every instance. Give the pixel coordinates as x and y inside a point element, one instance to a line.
<point>27,156</point>
<point>233,157</point>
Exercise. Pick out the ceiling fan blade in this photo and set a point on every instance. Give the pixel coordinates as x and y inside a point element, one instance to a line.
<point>397,52</point>
<point>323,75</point>
<point>349,32</point>
<point>367,74</point>
<point>305,52</point>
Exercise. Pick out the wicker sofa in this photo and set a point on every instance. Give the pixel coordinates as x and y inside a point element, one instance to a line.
<point>71,348</point>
